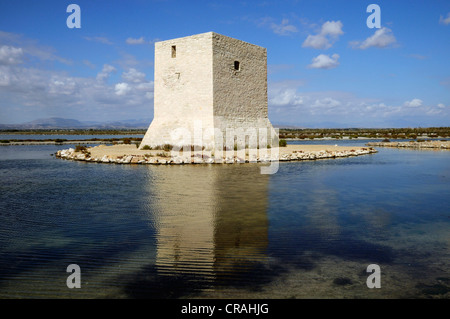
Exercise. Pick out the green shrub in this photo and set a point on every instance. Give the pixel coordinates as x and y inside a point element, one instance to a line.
<point>146,147</point>
<point>282,143</point>
<point>4,141</point>
<point>162,154</point>
<point>126,141</point>
<point>167,147</point>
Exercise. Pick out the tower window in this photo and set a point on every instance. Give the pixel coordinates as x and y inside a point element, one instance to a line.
<point>236,65</point>
<point>174,51</point>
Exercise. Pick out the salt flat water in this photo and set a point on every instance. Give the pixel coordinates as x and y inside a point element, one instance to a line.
<point>225,231</point>
<point>69,137</point>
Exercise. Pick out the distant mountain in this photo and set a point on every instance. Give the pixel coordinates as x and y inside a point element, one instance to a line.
<point>55,122</point>
<point>62,123</point>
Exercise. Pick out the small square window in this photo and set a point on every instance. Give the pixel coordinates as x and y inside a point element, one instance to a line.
<point>174,51</point>
<point>236,65</point>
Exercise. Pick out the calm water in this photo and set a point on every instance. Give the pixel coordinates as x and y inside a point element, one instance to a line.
<point>61,136</point>
<point>225,231</point>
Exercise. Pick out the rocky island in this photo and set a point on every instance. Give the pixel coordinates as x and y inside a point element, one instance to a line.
<point>129,154</point>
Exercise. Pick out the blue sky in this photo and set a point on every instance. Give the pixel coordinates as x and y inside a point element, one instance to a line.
<point>326,67</point>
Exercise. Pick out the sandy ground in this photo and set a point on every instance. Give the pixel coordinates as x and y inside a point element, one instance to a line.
<point>130,154</point>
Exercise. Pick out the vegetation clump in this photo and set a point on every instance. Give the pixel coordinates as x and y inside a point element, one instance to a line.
<point>162,154</point>
<point>282,143</point>
<point>80,148</point>
<point>342,281</point>
<point>165,147</point>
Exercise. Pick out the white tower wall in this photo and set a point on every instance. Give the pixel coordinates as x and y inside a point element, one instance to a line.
<point>205,86</point>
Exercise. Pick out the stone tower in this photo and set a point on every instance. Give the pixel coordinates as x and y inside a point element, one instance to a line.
<point>210,91</point>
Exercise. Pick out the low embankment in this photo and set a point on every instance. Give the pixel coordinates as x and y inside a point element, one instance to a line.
<point>413,144</point>
<point>129,154</point>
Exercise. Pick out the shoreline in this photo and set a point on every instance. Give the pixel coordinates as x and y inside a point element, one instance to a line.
<point>56,143</point>
<point>129,154</point>
<point>445,145</point>
<point>120,141</point>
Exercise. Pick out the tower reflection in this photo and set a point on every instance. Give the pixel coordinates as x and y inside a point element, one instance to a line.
<point>211,221</point>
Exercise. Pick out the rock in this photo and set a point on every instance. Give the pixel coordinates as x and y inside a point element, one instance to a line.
<point>178,161</point>
<point>127,160</point>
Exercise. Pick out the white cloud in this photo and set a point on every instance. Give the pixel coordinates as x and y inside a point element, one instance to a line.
<point>122,88</point>
<point>323,61</point>
<point>329,33</point>
<point>133,76</point>
<point>413,103</point>
<point>382,38</point>
<point>17,48</point>
<point>105,72</point>
<point>89,64</point>
<point>102,40</point>
<point>10,55</point>
<point>4,76</point>
<point>317,42</point>
<point>62,85</point>
<point>32,90</point>
<point>28,93</point>
<point>290,105</point>
<point>287,97</point>
<point>146,86</point>
<point>332,28</point>
<point>284,28</point>
<point>417,56</point>
<point>284,93</point>
<point>133,41</point>
<point>443,20</point>
<point>326,102</point>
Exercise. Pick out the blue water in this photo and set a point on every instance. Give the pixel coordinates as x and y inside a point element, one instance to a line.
<point>225,231</point>
<point>61,136</point>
